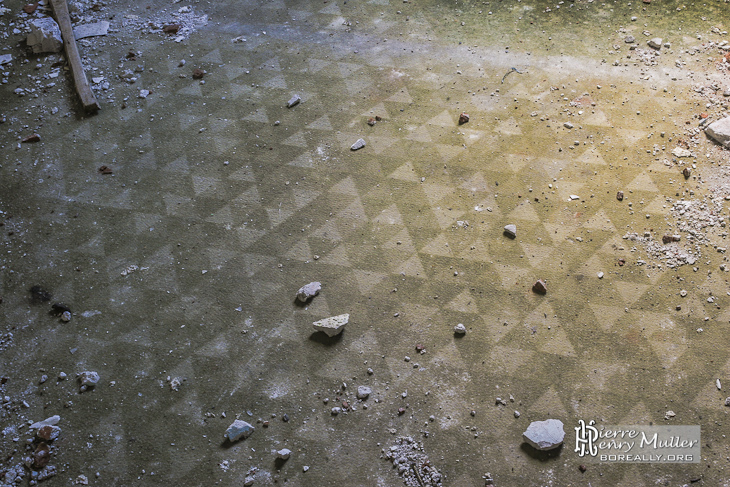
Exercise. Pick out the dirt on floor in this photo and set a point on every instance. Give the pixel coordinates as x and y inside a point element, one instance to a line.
<point>532,227</point>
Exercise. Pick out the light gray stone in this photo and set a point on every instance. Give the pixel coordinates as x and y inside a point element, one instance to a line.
<point>294,100</point>
<point>52,421</point>
<point>45,36</point>
<point>359,144</point>
<point>239,430</point>
<point>88,378</point>
<point>568,125</point>
<point>333,325</point>
<point>6,58</point>
<point>283,454</point>
<point>681,152</point>
<point>91,30</point>
<point>460,329</point>
<point>308,291</point>
<point>719,131</point>
<point>545,435</point>
<point>655,43</point>
<point>363,392</point>
<point>510,230</point>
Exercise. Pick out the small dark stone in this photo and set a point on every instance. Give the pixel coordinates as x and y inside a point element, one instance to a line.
<point>420,348</point>
<point>686,172</point>
<point>463,118</point>
<point>105,170</point>
<point>621,262</point>
<point>32,138</point>
<point>198,73</point>
<point>539,287</point>
<point>171,28</point>
<point>582,468</point>
<point>285,418</point>
<point>41,455</point>
<point>371,121</point>
<point>401,411</point>
<point>620,196</point>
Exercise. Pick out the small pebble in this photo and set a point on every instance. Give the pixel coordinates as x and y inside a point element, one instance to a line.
<point>460,329</point>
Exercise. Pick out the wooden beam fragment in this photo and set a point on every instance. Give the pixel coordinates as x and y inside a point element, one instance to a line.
<point>88,100</point>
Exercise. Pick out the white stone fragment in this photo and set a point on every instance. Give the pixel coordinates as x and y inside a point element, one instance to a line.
<point>239,430</point>
<point>510,230</point>
<point>333,325</point>
<point>363,392</point>
<point>91,30</point>
<point>359,144</point>
<point>45,36</point>
<point>283,454</point>
<point>681,152</point>
<point>308,291</point>
<point>655,43</point>
<point>460,329</point>
<point>720,131</point>
<point>6,58</point>
<point>294,100</point>
<point>53,420</point>
<point>545,435</point>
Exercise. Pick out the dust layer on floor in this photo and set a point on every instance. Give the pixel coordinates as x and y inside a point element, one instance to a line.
<point>180,261</point>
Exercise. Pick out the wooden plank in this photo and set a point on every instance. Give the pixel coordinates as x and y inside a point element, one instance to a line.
<point>88,100</point>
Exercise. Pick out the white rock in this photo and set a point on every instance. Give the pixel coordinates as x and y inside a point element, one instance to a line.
<point>359,144</point>
<point>460,329</point>
<point>239,430</point>
<point>681,152</point>
<point>53,420</point>
<point>510,230</point>
<point>363,392</point>
<point>294,100</point>
<point>568,125</point>
<point>308,291</point>
<point>6,58</point>
<point>574,197</point>
<point>283,454</point>
<point>545,435</point>
<point>333,325</point>
<point>600,274</point>
<point>720,131</point>
<point>45,36</point>
<point>656,42</point>
<point>91,30</point>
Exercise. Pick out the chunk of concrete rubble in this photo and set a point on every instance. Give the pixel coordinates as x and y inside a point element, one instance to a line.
<point>655,43</point>
<point>545,435</point>
<point>359,144</point>
<point>238,430</point>
<point>719,131</point>
<point>510,230</point>
<point>539,287</point>
<point>333,325</point>
<point>6,58</point>
<point>45,36</point>
<point>88,379</point>
<point>283,454</point>
<point>681,152</point>
<point>294,100</point>
<point>51,421</point>
<point>91,30</point>
<point>363,392</point>
<point>308,291</point>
